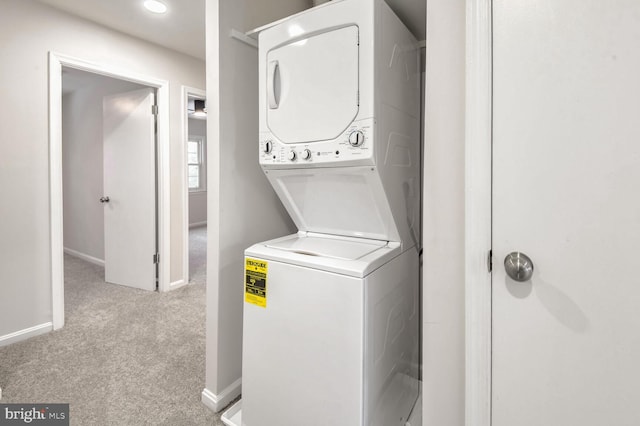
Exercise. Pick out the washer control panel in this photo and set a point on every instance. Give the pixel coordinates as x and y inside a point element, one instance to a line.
<point>353,145</point>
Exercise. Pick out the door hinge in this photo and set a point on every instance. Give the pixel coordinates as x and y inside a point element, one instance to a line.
<point>156,258</point>
<point>154,109</point>
<point>358,98</point>
<point>489,261</point>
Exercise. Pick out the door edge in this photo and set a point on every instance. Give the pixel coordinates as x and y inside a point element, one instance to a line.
<point>478,133</point>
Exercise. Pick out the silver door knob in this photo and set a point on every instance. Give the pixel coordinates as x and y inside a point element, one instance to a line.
<point>104,199</point>
<point>519,266</point>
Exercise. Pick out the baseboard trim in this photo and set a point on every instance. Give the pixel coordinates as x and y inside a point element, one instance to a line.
<point>177,284</point>
<point>217,402</point>
<point>25,334</point>
<point>196,224</point>
<point>83,256</point>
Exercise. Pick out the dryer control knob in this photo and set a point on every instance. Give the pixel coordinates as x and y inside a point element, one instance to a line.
<point>292,155</point>
<point>306,154</point>
<point>356,138</point>
<point>268,147</point>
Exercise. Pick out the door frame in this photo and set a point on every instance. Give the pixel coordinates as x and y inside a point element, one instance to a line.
<point>478,181</point>
<point>199,94</point>
<point>56,62</point>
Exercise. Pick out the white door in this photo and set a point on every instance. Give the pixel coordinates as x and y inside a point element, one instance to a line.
<point>312,86</point>
<point>129,182</point>
<point>566,343</point>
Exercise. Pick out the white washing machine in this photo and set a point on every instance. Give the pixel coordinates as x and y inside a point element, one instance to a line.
<point>331,314</point>
<point>335,341</point>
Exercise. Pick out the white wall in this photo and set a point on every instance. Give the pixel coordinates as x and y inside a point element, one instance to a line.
<point>197,127</point>
<point>198,200</point>
<point>82,160</point>
<point>259,12</point>
<point>443,216</point>
<point>197,208</point>
<point>29,30</point>
<point>242,207</point>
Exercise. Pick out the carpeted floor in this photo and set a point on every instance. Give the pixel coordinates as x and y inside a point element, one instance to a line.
<point>198,254</point>
<point>124,356</point>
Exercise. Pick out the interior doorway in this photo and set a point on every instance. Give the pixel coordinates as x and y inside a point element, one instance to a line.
<point>195,184</point>
<point>109,176</point>
<point>153,95</point>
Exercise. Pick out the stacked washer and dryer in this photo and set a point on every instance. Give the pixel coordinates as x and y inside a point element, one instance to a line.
<point>331,314</point>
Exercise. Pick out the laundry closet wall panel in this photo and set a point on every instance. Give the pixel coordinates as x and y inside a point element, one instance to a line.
<point>443,340</point>
<point>242,207</point>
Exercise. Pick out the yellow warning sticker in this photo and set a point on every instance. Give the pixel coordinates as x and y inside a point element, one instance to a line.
<point>255,283</point>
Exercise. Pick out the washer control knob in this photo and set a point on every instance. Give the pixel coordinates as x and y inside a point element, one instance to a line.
<point>356,138</point>
<point>292,155</point>
<point>306,154</point>
<point>268,147</point>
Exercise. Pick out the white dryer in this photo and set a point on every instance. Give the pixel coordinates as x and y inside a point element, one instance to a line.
<point>331,314</point>
<point>339,120</point>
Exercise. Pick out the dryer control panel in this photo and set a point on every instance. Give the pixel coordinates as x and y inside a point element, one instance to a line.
<point>355,145</point>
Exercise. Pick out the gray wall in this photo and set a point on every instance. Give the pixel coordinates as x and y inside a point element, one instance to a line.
<point>443,216</point>
<point>82,159</point>
<point>242,207</point>
<point>29,30</point>
<point>198,200</point>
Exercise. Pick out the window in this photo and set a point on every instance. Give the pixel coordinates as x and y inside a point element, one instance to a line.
<point>195,156</point>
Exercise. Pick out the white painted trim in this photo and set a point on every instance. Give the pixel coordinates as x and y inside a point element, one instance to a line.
<point>478,212</point>
<point>85,257</point>
<point>177,284</point>
<point>164,185</point>
<point>217,402</point>
<point>56,62</point>
<point>197,224</point>
<point>25,334</point>
<point>55,192</point>
<point>200,94</point>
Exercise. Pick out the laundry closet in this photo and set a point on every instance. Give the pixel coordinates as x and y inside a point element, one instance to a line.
<point>329,172</point>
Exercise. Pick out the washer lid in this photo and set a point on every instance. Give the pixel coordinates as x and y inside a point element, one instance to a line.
<point>335,248</point>
<point>349,201</point>
<point>356,257</point>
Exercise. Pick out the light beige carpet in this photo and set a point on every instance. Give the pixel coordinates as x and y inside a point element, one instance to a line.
<point>124,356</point>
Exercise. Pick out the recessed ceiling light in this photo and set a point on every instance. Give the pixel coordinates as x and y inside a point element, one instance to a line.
<point>155,6</point>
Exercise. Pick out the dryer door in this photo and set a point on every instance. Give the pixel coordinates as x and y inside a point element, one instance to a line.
<point>312,86</point>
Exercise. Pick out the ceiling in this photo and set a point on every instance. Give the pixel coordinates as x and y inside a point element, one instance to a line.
<point>182,28</point>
